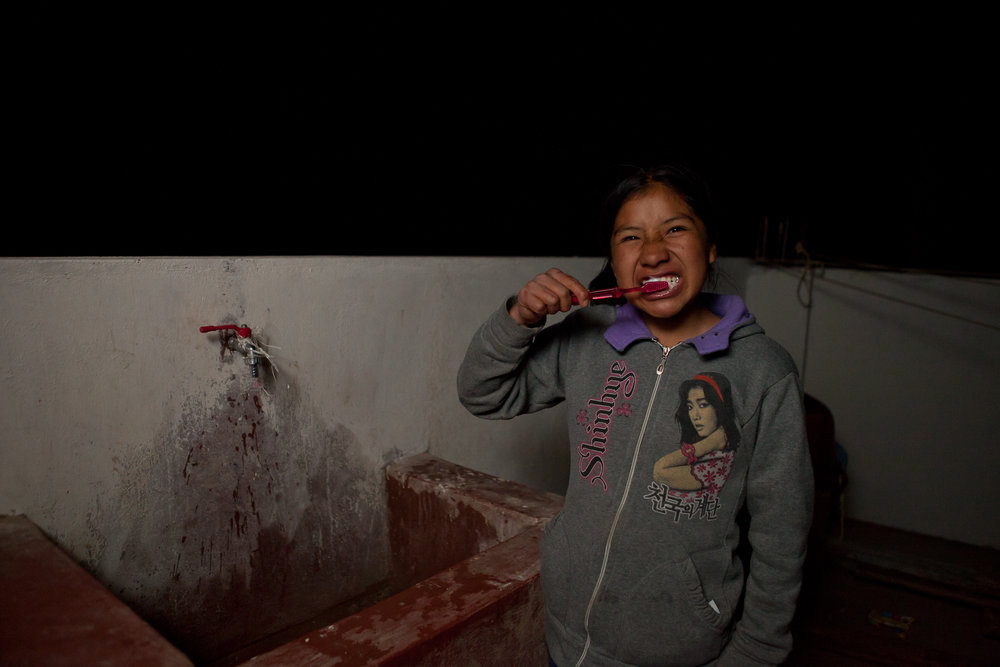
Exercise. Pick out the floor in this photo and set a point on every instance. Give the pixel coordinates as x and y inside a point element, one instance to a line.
<point>933,602</point>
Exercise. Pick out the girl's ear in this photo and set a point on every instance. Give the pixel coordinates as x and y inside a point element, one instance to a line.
<point>712,256</point>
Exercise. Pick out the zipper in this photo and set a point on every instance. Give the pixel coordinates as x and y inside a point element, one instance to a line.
<point>621,506</point>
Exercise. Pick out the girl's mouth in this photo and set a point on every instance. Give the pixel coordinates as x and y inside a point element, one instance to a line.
<point>669,284</point>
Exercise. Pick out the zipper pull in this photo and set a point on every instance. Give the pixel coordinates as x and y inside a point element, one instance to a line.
<point>663,359</point>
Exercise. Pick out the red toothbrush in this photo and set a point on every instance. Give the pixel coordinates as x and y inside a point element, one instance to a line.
<point>618,292</point>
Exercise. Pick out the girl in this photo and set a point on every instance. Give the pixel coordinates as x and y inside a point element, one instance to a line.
<point>709,437</point>
<point>635,572</point>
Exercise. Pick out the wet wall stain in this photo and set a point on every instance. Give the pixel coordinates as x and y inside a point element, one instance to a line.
<point>248,517</point>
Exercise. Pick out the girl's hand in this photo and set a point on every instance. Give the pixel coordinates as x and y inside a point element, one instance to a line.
<point>547,294</point>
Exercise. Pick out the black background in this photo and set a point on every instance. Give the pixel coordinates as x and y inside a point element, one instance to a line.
<point>496,130</point>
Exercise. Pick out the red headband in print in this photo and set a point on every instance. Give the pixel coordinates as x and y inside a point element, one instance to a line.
<point>705,378</point>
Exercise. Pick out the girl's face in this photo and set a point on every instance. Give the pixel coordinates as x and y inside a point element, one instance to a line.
<point>656,236</point>
<point>703,416</point>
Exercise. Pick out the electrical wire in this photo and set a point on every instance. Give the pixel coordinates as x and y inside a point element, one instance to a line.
<point>806,280</point>
<point>978,277</point>
<point>810,268</point>
<point>807,277</point>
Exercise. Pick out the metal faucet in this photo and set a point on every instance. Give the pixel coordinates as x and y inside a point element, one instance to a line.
<point>242,342</point>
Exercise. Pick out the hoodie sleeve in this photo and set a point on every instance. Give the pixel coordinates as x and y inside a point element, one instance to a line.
<point>509,369</point>
<point>780,503</point>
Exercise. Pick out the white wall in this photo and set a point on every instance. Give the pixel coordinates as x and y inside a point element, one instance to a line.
<point>909,364</point>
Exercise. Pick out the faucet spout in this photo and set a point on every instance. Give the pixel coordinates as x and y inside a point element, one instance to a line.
<point>243,342</point>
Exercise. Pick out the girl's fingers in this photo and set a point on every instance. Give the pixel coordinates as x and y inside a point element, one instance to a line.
<point>547,294</point>
<point>565,287</point>
<point>573,286</point>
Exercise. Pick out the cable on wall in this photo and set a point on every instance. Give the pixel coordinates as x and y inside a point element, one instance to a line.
<point>810,267</point>
<point>806,281</point>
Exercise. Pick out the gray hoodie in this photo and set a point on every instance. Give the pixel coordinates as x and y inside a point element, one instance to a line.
<point>668,446</point>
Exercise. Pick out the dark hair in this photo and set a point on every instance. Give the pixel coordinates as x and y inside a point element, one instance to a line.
<point>684,181</point>
<point>719,395</point>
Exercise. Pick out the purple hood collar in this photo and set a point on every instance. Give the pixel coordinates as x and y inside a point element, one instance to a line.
<point>629,327</point>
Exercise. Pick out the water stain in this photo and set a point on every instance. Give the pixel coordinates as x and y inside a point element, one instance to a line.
<point>247,517</point>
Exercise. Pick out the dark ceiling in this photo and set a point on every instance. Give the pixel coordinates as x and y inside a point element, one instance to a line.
<point>450,130</point>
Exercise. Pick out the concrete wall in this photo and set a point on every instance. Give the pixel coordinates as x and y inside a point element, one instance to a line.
<point>182,483</point>
<point>909,364</point>
<point>219,506</point>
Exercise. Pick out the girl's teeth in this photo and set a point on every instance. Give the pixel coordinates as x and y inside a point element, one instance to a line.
<point>670,280</point>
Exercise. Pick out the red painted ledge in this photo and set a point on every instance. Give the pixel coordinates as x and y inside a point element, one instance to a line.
<point>55,613</point>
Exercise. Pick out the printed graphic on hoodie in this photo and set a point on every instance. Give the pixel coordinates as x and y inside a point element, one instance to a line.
<point>687,480</point>
<point>618,388</point>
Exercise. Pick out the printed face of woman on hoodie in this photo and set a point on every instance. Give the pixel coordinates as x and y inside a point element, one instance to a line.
<point>702,414</point>
<point>657,237</point>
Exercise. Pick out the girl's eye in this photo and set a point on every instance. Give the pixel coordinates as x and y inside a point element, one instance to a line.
<point>681,223</point>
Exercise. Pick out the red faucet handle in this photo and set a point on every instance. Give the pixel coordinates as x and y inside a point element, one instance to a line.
<point>242,332</point>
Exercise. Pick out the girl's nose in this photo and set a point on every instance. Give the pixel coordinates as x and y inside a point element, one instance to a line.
<point>654,251</point>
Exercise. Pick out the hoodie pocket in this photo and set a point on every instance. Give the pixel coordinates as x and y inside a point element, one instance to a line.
<point>667,618</point>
